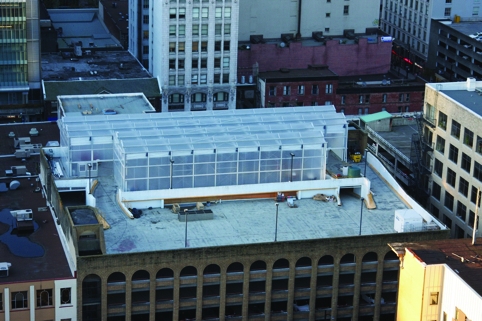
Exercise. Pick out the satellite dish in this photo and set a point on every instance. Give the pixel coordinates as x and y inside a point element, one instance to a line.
<point>14,185</point>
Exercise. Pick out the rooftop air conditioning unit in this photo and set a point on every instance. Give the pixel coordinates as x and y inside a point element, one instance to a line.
<point>349,33</point>
<point>4,267</point>
<point>256,39</point>
<point>318,36</point>
<point>287,37</point>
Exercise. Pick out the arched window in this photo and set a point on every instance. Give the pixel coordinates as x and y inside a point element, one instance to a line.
<point>370,257</point>
<point>189,271</point>
<point>235,267</point>
<point>281,264</point>
<point>140,275</point>
<point>326,260</point>
<point>19,300</point>
<point>212,269</point>
<point>116,277</point>
<point>304,261</point>
<point>258,265</point>
<point>44,298</point>
<point>165,273</point>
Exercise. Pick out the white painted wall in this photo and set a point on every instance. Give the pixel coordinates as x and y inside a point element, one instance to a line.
<point>65,311</point>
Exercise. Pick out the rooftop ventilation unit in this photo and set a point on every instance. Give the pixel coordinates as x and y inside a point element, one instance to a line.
<point>4,267</point>
<point>318,36</point>
<point>256,39</point>
<point>287,37</point>
<point>349,33</point>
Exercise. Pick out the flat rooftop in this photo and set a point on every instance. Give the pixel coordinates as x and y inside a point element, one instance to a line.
<point>316,72</point>
<point>401,137</point>
<point>450,252</point>
<point>246,221</point>
<point>469,99</point>
<point>99,65</point>
<point>36,255</point>
<point>466,27</point>
<point>85,105</point>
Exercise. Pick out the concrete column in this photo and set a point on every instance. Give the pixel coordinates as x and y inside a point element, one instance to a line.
<point>6,292</point>
<point>152,296</point>
<point>246,292</point>
<point>268,289</point>
<point>356,290</point>
<point>336,281</point>
<point>314,276</point>
<point>222,294</point>
<point>378,291</point>
<point>291,289</point>
<point>175,296</point>
<point>103,297</point>
<point>32,302</point>
<point>128,297</point>
<point>199,294</point>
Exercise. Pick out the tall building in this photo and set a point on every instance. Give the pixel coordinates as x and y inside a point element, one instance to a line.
<point>19,57</point>
<point>191,47</point>
<point>453,119</point>
<point>409,23</point>
<point>209,215</point>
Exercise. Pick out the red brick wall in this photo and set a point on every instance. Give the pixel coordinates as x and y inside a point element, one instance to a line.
<point>343,59</point>
<point>295,99</point>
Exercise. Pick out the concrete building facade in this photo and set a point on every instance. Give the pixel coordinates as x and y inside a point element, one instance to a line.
<point>452,126</point>
<point>191,48</point>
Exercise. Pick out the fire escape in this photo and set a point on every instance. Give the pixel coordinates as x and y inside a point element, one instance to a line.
<point>421,158</point>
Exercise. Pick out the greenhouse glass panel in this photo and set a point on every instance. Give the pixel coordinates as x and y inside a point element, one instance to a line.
<point>159,171</point>
<point>248,156</point>
<point>81,155</point>
<point>247,178</point>
<point>312,152</point>
<point>225,157</point>
<point>182,182</point>
<point>249,166</point>
<point>137,162</point>
<point>136,185</point>
<point>201,169</point>
<point>226,167</point>
<point>270,164</point>
<point>136,172</point>
<point>182,169</point>
<point>204,181</point>
<point>205,158</point>
<point>185,159</point>
<point>269,177</point>
<point>271,154</point>
<point>159,161</point>
<point>159,183</point>
<point>311,174</point>
<point>312,162</point>
<point>225,179</point>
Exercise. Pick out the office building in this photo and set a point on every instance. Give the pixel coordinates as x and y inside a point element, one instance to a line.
<point>19,58</point>
<point>452,117</point>
<point>181,220</point>
<point>191,47</point>
<point>409,22</point>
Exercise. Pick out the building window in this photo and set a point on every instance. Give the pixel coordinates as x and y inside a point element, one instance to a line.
<point>145,34</point>
<point>286,90</point>
<point>180,80</point>
<point>367,99</point>
<point>173,99</point>
<point>172,80</point>
<point>455,130</point>
<point>447,12</point>
<point>477,171</point>
<point>145,4</point>
<point>194,79</point>
<point>360,111</point>
<point>172,13</point>
<point>204,63</point>
<point>198,98</point>
<point>466,162</point>
<point>440,145</point>
<point>453,153</point>
<point>204,30</point>
<point>145,19</point>
<point>218,28</point>
<point>219,13</point>
<point>145,50</point>
<point>346,10</point>
<point>1,301</point>
<point>205,12</point>
<point>182,30</point>
<point>327,103</point>
<point>436,190</point>
<point>434,295</point>
<point>327,29</point>
<point>204,46</point>
<point>204,79</point>
<point>384,98</point>
<point>451,177</point>
<point>19,300</point>
<point>400,97</point>
<point>315,90</point>
<point>468,138</point>
<point>442,120</point>
<point>475,11</point>
<point>343,99</point>
<point>407,97</point>
<point>473,195</point>
<point>44,298</point>
<point>461,211</point>
<point>360,99</point>
<point>327,15</point>
<point>301,90</point>
<point>478,146</point>
<point>329,89</point>
<point>448,1</point>
<point>463,187</point>
<point>172,30</point>
<point>449,201</point>
<point>181,47</point>
<point>227,29</point>
<point>438,167</point>
<point>471,220</point>
<point>227,12</point>
<point>182,13</point>
<point>195,30</point>
<point>195,13</point>
<point>226,62</point>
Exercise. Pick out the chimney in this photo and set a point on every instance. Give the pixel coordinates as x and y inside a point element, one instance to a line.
<point>471,84</point>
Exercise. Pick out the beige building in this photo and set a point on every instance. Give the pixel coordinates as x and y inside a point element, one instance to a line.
<point>452,128</point>
<point>439,280</point>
